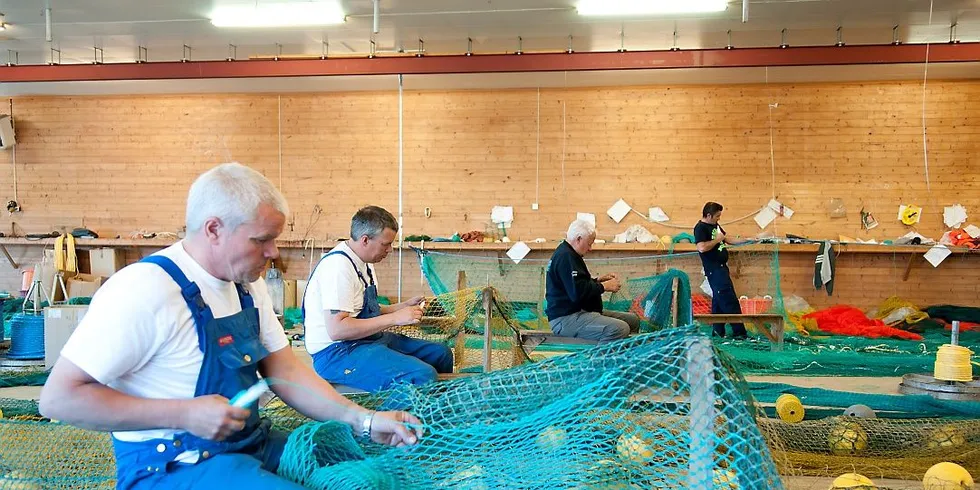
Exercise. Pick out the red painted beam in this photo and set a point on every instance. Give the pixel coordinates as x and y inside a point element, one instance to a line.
<point>532,62</point>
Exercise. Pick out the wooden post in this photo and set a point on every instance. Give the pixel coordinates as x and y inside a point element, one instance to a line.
<point>908,268</point>
<point>9,258</point>
<point>673,303</point>
<point>459,352</point>
<point>487,328</point>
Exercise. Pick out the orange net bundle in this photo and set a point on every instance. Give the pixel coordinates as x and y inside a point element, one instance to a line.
<point>848,320</point>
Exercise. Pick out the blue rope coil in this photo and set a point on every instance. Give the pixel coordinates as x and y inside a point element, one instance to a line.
<point>26,337</point>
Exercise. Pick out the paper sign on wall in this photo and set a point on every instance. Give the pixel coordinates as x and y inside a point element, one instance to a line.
<point>954,215</point>
<point>502,214</point>
<point>780,209</point>
<point>657,214</point>
<point>619,210</point>
<point>765,217</point>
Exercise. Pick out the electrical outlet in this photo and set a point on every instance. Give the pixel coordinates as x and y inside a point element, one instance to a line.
<point>534,206</point>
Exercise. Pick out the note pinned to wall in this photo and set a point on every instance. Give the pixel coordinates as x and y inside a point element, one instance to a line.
<point>502,214</point>
<point>619,210</point>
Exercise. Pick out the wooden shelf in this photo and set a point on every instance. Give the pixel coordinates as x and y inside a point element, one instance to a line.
<point>653,248</point>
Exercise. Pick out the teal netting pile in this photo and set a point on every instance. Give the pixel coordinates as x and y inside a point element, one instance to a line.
<point>653,411</point>
<point>22,377</point>
<point>817,355</point>
<point>648,281</point>
<point>657,305</point>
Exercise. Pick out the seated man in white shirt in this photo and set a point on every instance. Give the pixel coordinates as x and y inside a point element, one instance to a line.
<point>168,341</point>
<point>345,324</point>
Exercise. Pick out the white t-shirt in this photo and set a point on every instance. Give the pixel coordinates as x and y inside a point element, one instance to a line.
<point>333,286</point>
<point>139,337</point>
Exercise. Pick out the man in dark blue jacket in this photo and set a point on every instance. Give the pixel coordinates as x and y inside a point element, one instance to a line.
<point>575,298</point>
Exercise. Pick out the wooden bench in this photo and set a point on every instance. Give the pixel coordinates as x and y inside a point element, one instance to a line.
<point>530,339</point>
<point>760,320</point>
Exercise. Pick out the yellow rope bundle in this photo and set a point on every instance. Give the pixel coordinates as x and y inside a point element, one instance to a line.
<point>953,363</point>
<point>65,259</point>
<point>789,408</point>
<point>894,303</point>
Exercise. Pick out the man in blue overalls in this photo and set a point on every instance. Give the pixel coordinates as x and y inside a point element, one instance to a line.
<point>168,341</point>
<point>345,324</point>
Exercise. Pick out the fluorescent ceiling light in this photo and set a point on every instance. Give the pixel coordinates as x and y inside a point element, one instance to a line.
<point>611,8</point>
<point>278,14</point>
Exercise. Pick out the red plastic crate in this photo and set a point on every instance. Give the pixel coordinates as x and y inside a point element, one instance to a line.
<point>751,306</point>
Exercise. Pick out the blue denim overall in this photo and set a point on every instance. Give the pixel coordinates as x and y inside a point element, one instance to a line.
<point>232,349</point>
<point>379,361</point>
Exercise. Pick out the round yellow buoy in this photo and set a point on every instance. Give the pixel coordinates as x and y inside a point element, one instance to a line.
<point>947,476</point>
<point>853,481</point>
<point>551,438</point>
<point>847,438</point>
<point>1,414</point>
<point>789,408</point>
<point>634,448</point>
<point>945,437</point>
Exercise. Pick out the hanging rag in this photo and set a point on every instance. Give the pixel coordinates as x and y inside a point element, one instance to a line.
<point>65,259</point>
<point>823,270</point>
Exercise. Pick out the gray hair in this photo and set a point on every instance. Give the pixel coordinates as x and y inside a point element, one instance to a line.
<point>371,221</point>
<point>232,193</point>
<point>579,228</point>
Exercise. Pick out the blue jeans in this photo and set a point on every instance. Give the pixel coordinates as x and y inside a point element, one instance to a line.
<point>376,365</point>
<point>724,299</point>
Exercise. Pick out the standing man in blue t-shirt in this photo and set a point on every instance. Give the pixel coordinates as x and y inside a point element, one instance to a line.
<point>713,248</point>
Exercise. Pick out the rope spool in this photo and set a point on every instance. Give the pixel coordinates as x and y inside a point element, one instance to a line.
<point>789,408</point>
<point>26,337</point>
<point>953,363</point>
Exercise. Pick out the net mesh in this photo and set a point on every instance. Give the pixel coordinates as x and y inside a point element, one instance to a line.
<point>649,283</point>
<point>458,319</point>
<point>653,411</point>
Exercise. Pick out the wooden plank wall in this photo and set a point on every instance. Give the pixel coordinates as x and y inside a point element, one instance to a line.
<point>119,164</point>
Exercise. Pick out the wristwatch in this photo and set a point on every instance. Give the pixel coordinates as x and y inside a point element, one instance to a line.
<point>366,424</point>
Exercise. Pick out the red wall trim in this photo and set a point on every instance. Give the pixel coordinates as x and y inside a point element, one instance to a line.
<point>531,62</point>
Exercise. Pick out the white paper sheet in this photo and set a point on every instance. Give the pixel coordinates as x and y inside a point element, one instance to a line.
<point>657,214</point>
<point>765,217</point>
<point>706,287</point>
<point>502,214</point>
<point>779,208</point>
<point>586,217</point>
<point>972,230</point>
<point>619,210</point>
<point>954,215</point>
<point>518,252</point>
<point>936,255</point>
